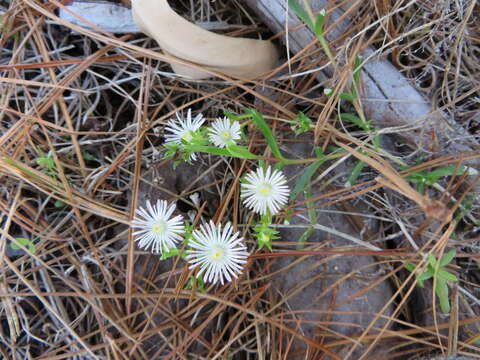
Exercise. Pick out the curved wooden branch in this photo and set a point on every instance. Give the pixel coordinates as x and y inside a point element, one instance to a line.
<point>237,57</point>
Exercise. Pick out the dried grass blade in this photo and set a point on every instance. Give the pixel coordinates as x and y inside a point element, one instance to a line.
<point>53,188</point>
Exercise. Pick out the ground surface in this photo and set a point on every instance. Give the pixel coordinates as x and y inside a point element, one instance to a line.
<point>82,121</point>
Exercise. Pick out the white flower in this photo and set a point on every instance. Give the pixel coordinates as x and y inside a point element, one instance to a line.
<point>158,230</point>
<point>220,254</point>
<point>223,132</point>
<point>183,129</point>
<point>265,191</point>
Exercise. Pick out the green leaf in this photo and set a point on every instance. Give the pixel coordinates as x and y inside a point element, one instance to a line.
<point>357,70</point>
<point>22,241</point>
<point>264,233</point>
<point>46,162</point>
<point>308,173</point>
<point>240,152</point>
<point>267,133</point>
<point>426,275</point>
<point>319,22</point>
<point>25,242</point>
<point>448,257</point>
<point>447,170</point>
<point>421,188</point>
<point>356,121</point>
<point>195,282</point>
<point>410,267</point>
<point>357,169</point>
<point>432,261</point>
<point>347,97</point>
<point>302,123</point>
<point>376,142</point>
<point>441,289</point>
<point>312,216</point>
<point>264,242</point>
<point>417,178</point>
<point>208,149</point>
<point>231,116</point>
<point>305,236</point>
<point>301,13</point>
<point>59,204</point>
<point>326,48</point>
<point>430,178</point>
<point>319,152</point>
<point>87,156</point>
<point>170,253</point>
<point>305,179</point>
<point>444,274</point>
<point>311,211</point>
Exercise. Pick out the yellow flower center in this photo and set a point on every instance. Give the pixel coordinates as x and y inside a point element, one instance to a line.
<point>226,135</point>
<point>187,136</point>
<point>217,254</point>
<point>159,227</point>
<point>265,189</point>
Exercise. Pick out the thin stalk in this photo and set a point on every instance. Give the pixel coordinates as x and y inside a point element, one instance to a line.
<point>326,48</point>
<point>309,10</point>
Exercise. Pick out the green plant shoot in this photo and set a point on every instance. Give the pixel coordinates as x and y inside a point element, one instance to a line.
<point>29,244</point>
<point>436,269</point>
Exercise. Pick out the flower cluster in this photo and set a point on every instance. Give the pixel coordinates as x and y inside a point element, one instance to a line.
<point>218,252</point>
<point>185,134</point>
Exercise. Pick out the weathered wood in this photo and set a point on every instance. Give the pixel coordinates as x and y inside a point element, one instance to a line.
<point>388,97</point>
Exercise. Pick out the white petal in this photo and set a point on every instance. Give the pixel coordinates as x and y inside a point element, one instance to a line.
<point>181,127</point>
<point>230,252</point>
<point>157,240</point>
<point>259,201</point>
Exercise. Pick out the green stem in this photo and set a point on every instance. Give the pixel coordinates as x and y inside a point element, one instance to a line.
<point>310,160</point>
<point>326,48</point>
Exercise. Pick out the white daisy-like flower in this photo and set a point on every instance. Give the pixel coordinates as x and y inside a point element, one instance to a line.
<point>159,231</point>
<point>220,254</point>
<point>223,132</point>
<point>265,191</point>
<point>183,129</point>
